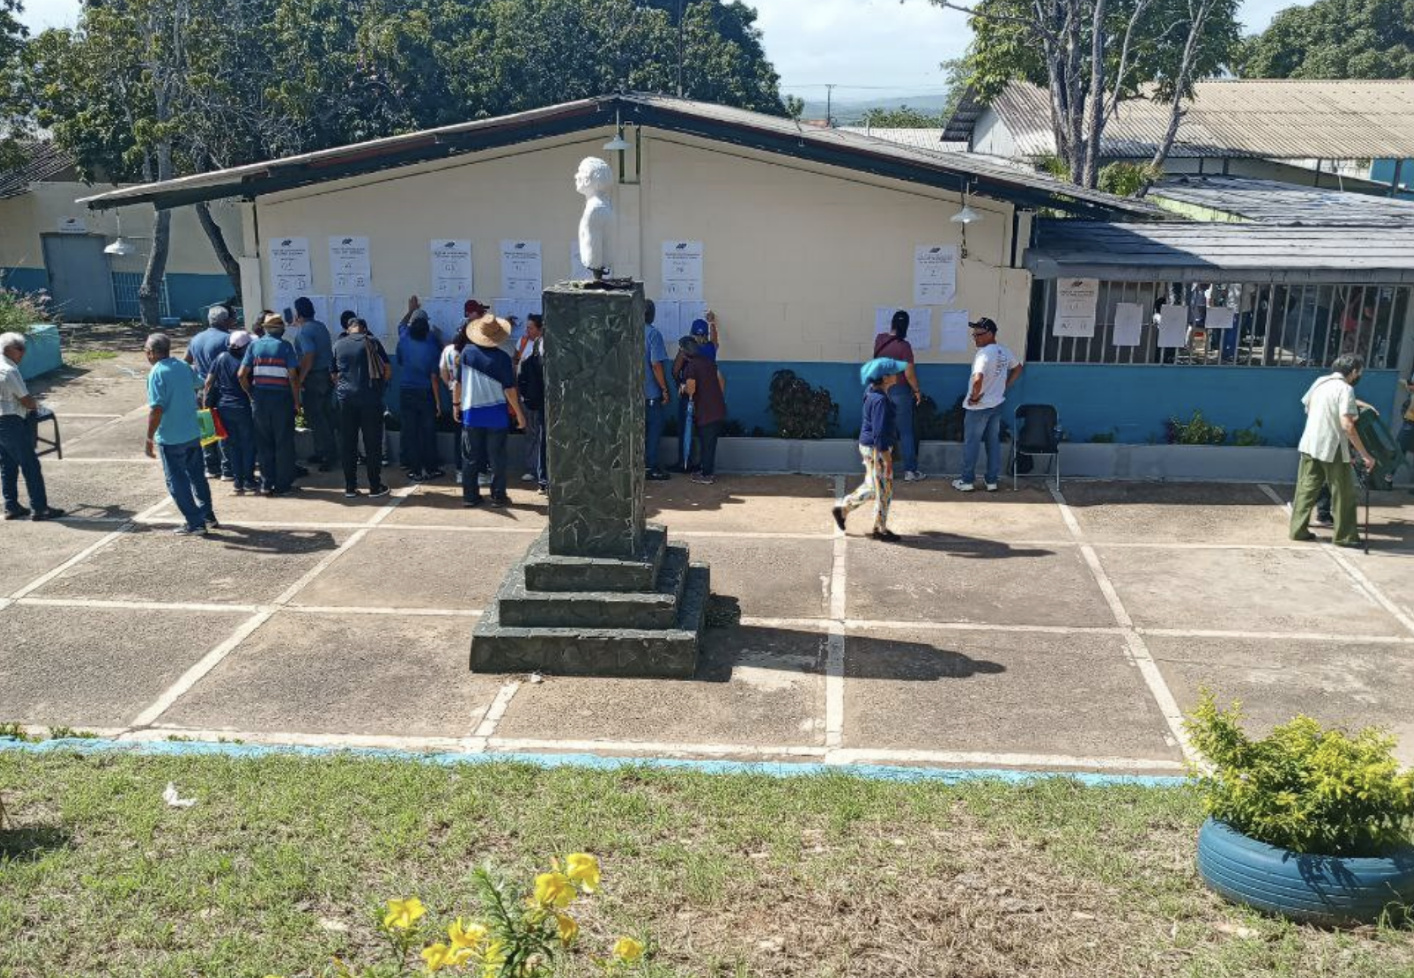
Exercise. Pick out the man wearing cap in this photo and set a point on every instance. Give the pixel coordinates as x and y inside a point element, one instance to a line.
<point>205,349</point>
<point>994,369</point>
<point>17,439</point>
<point>225,393</point>
<point>270,375</point>
<point>173,427</point>
<point>484,387</point>
<point>419,349</point>
<point>314,346</point>
<point>361,373</point>
<point>655,391</point>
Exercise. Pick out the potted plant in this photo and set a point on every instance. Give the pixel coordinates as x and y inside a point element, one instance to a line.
<point>1311,824</point>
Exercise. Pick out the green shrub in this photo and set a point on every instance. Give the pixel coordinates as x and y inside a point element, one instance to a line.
<point>21,310</point>
<point>1104,437</point>
<point>1197,430</point>
<point>1249,437</point>
<point>800,410</point>
<point>1303,788</point>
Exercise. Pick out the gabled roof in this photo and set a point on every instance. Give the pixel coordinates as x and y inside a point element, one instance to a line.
<point>45,160</point>
<point>920,138</point>
<point>1276,119</point>
<point>774,134</point>
<point>1273,202</point>
<point>1192,252</point>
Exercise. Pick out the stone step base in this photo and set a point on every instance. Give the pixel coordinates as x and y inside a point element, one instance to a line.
<point>656,609</point>
<point>669,653</point>
<point>545,571</point>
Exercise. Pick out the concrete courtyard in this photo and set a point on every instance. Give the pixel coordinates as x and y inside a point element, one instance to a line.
<point>1030,630</point>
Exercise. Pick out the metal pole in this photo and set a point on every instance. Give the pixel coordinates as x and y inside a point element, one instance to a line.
<point>829,102</point>
<point>681,6</point>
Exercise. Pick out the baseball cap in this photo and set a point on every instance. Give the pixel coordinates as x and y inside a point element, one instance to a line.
<point>699,328</point>
<point>238,340</point>
<point>984,323</point>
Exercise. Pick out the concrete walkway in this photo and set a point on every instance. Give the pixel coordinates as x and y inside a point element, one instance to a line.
<point>1041,630</point>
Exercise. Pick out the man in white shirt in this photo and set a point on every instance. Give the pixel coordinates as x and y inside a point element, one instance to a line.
<point>994,370</point>
<point>17,440</point>
<point>1331,411</point>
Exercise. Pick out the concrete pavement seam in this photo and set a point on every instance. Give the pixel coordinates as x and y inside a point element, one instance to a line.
<point>835,636</point>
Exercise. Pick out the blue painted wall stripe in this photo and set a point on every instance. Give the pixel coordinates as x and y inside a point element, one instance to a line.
<point>875,772</point>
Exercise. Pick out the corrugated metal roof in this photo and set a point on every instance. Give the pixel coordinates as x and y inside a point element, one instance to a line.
<point>1273,202</point>
<point>45,160</point>
<point>979,174</point>
<point>1266,118</point>
<point>920,138</point>
<point>1199,252</point>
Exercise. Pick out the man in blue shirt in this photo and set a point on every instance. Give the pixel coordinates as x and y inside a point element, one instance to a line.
<point>270,375</point>
<point>485,387</point>
<point>203,351</point>
<point>172,426</point>
<point>655,391</point>
<point>314,347</point>
<point>419,352</point>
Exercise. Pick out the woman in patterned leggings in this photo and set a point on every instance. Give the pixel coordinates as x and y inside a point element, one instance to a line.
<point>878,435</point>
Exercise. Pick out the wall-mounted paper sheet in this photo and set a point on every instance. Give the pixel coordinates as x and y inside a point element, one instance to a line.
<point>367,307</point>
<point>920,325</point>
<point>445,315</point>
<point>1075,307</point>
<point>1129,324</point>
<point>451,268</point>
<point>521,270</point>
<point>955,333</point>
<point>682,270</point>
<point>350,270</point>
<point>290,276</point>
<point>1219,317</point>
<point>1173,326</point>
<point>934,274</point>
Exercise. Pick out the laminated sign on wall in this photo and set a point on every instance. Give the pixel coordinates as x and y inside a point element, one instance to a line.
<point>682,270</point>
<point>289,266</point>
<point>520,269</point>
<point>350,270</point>
<point>934,274</point>
<point>1075,307</point>
<point>451,268</point>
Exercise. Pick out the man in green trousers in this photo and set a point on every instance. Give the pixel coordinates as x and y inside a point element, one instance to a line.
<point>1331,411</point>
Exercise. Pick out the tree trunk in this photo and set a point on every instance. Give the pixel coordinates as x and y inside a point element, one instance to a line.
<point>1093,112</point>
<point>1199,10</point>
<point>149,294</point>
<point>217,237</point>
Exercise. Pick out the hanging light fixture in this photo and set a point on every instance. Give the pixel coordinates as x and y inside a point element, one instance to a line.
<point>618,144</point>
<point>119,247</point>
<point>966,216</point>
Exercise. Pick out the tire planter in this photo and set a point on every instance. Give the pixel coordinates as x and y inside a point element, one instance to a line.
<point>1325,890</point>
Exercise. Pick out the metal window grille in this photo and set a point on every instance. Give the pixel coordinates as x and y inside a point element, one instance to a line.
<point>125,304</point>
<point>1274,325</point>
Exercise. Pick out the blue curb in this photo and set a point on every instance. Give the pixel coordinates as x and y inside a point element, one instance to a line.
<point>775,769</point>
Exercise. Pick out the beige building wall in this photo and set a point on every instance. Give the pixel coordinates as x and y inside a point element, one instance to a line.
<point>41,209</point>
<point>797,255</point>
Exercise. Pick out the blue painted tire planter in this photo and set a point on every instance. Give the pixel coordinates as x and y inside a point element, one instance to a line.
<point>41,351</point>
<point>1314,889</point>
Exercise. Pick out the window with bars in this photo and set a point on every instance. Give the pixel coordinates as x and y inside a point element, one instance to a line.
<point>125,301</point>
<point>1272,325</point>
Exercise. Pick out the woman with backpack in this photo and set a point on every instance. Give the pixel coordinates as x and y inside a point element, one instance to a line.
<point>361,372</point>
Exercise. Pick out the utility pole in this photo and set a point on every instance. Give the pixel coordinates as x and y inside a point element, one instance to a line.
<point>681,4</point>
<point>829,102</point>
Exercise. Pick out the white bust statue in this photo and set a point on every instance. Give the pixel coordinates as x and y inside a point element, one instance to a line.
<point>593,179</point>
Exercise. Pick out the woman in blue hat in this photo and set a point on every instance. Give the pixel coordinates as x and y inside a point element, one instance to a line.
<point>878,435</point>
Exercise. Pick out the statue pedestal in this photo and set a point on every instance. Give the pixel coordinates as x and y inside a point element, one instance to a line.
<point>601,592</point>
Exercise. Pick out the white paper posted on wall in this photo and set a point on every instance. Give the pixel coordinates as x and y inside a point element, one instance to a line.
<point>445,315</point>
<point>934,274</point>
<point>451,268</point>
<point>1075,307</point>
<point>920,325</point>
<point>955,332</point>
<point>350,270</point>
<point>521,273</point>
<point>290,275</point>
<point>674,320</point>
<point>1173,326</point>
<point>1218,317</point>
<point>682,270</point>
<point>1129,324</point>
<point>369,308</point>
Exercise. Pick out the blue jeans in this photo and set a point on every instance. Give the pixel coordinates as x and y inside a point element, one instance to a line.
<point>239,445</point>
<point>984,423</point>
<point>419,413</point>
<point>902,396</point>
<point>185,468</point>
<point>656,418</point>
<point>483,449</point>
<point>17,457</point>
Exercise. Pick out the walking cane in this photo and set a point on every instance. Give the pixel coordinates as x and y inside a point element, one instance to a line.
<point>687,435</point>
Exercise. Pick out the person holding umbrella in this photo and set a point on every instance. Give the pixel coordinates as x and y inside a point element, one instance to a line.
<point>706,407</point>
<point>878,435</point>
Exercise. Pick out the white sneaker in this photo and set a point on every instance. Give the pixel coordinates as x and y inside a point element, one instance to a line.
<point>459,476</point>
<point>914,476</point>
<point>991,487</point>
<point>961,486</point>
<point>527,477</point>
<point>908,477</point>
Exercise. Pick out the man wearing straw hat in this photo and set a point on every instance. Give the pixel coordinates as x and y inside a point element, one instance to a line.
<point>485,386</point>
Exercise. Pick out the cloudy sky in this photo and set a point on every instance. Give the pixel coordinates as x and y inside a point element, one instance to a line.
<point>868,48</point>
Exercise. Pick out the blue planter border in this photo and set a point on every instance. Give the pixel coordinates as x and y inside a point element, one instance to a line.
<point>42,354</point>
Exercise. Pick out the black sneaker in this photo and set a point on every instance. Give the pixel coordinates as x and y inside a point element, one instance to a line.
<point>416,477</point>
<point>351,493</point>
<point>658,475</point>
<point>839,514</point>
<point>49,513</point>
<point>17,514</point>
<point>500,501</point>
<point>886,536</point>
<point>378,492</point>
<point>213,523</point>
<point>472,503</point>
<point>434,474</point>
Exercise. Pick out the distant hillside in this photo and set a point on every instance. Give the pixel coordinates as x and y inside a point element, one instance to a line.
<point>848,112</point>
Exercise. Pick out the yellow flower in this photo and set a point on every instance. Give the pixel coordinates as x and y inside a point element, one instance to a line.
<point>553,890</point>
<point>492,958</point>
<point>438,956</point>
<point>568,928</point>
<point>402,914</point>
<point>466,935</point>
<point>584,870</point>
<point>627,950</point>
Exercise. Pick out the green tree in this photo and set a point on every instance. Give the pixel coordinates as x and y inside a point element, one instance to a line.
<point>900,118</point>
<point>1334,39</point>
<point>14,106</point>
<point>1090,55</point>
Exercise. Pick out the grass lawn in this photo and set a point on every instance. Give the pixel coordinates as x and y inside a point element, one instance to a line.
<point>285,861</point>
